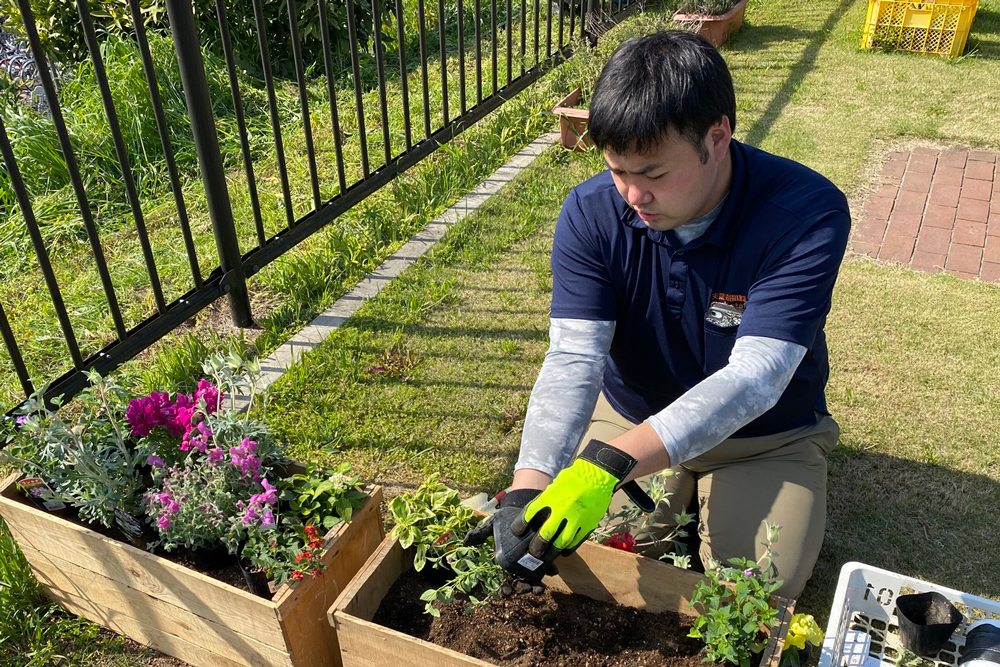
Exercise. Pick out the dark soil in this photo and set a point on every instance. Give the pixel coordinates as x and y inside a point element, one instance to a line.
<point>549,629</point>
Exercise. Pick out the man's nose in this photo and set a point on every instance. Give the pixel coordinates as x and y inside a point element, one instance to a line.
<point>639,196</point>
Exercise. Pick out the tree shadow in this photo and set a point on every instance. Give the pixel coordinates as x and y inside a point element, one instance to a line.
<point>987,22</point>
<point>920,519</point>
<point>752,38</point>
<point>797,73</point>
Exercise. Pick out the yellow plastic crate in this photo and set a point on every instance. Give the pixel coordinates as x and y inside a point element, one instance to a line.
<point>939,27</point>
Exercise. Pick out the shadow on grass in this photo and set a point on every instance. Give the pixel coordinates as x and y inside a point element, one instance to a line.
<point>919,519</point>
<point>987,22</point>
<point>797,72</point>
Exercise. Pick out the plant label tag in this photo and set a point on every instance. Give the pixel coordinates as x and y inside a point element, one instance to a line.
<point>37,490</point>
<point>530,562</point>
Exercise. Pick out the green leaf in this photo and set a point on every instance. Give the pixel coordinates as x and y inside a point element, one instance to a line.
<point>429,595</point>
<point>420,558</point>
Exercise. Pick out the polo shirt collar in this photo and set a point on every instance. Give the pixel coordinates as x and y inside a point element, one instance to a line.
<point>721,232</point>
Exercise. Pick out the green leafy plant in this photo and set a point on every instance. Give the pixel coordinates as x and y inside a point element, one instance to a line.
<point>433,520</point>
<point>631,529</point>
<point>735,605</point>
<point>284,553</point>
<point>325,496</point>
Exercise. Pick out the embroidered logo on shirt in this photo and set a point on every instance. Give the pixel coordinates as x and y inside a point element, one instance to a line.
<point>726,310</point>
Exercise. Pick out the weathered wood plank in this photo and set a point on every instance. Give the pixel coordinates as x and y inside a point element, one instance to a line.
<point>365,644</point>
<point>155,576</point>
<point>103,600</point>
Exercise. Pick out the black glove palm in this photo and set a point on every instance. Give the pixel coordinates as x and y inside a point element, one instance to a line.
<point>512,551</point>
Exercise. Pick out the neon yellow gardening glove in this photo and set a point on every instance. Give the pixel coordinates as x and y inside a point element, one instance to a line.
<point>572,506</point>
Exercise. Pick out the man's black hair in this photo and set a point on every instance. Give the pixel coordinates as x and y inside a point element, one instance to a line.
<point>673,80</point>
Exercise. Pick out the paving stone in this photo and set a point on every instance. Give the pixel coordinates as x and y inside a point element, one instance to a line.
<point>944,195</point>
<point>979,170</point>
<point>965,258</point>
<point>976,189</point>
<point>973,209</point>
<point>863,248</point>
<point>902,223</point>
<point>968,232</point>
<point>992,252</point>
<point>965,275</point>
<point>934,240</point>
<point>982,156</point>
<point>940,216</point>
<point>990,272</point>
<point>910,202</point>
<point>993,226</point>
<point>914,181</point>
<point>953,159</point>
<point>879,207</point>
<point>927,261</point>
<point>924,150</point>
<point>924,164</point>
<point>896,248</point>
<point>889,191</point>
<point>893,169</point>
<point>948,176</point>
<point>869,230</point>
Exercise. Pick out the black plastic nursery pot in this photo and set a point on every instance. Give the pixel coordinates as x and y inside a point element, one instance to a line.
<point>982,643</point>
<point>926,621</point>
<point>257,580</point>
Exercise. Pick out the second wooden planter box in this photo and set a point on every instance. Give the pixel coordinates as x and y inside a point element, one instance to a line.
<point>598,572</point>
<point>182,612</point>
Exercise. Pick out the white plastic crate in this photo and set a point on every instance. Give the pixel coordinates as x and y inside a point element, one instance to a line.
<point>866,601</point>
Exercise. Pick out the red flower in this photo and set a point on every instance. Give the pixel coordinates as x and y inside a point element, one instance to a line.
<point>623,541</point>
<point>297,575</point>
<point>444,538</point>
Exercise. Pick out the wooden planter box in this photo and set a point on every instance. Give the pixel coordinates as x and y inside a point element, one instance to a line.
<point>182,612</point>
<point>596,571</point>
<point>573,123</point>
<point>716,29</point>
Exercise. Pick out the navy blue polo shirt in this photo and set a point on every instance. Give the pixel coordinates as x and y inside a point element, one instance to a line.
<point>770,257</point>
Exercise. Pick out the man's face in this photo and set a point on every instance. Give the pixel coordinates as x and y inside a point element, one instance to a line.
<point>670,185</point>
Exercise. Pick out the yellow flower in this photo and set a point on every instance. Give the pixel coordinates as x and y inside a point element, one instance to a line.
<point>803,629</point>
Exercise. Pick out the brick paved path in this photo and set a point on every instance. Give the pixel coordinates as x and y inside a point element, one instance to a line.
<point>935,209</point>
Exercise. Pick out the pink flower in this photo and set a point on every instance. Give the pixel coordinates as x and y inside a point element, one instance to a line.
<point>143,414</point>
<point>164,498</point>
<point>215,455</point>
<point>267,519</point>
<point>748,572</point>
<point>197,437</point>
<point>163,522</point>
<point>173,507</point>
<point>269,497</point>
<point>206,390</point>
<point>155,461</point>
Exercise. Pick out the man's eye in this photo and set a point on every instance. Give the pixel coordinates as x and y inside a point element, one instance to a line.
<point>656,178</point>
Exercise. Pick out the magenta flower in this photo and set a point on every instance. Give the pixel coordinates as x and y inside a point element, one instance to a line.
<point>155,461</point>
<point>270,495</point>
<point>163,522</point>
<point>143,414</point>
<point>212,395</point>
<point>215,455</point>
<point>197,437</point>
<point>164,498</point>
<point>173,507</point>
<point>748,572</point>
<point>267,519</point>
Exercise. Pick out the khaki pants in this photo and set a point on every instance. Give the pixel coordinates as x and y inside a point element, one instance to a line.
<point>741,482</point>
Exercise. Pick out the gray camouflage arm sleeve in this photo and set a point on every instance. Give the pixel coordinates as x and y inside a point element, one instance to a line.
<point>758,372</point>
<point>565,393</point>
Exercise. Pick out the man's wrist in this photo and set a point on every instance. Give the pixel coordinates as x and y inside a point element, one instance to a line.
<point>529,478</point>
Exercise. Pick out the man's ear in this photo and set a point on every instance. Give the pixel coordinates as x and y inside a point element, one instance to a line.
<point>717,139</point>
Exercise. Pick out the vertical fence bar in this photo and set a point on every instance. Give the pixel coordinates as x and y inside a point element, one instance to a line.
<point>524,33</point>
<point>213,175</point>
<point>352,33</point>
<point>403,74</point>
<point>461,58</point>
<point>479,52</point>
<point>272,106</point>
<point>24,201</point>
<point>548,29</point>
<point>131,193</point>
<point>331,91</point>
<point>15,354</point>
<point>559,44</point>
<point>164,132</point>
<point>422,30</point>
<point>443,54</point>
<point>572,17</point>
<point>510,42</point>
<point>241,124</point>
<point>45,76</point>
<point>300,77</point>
<point>493,45</point>
<point>537,17</point>
<point>380,66</point>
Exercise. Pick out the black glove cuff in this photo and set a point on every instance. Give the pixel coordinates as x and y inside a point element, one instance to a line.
<point>519,497</point>
<point>608,458</point>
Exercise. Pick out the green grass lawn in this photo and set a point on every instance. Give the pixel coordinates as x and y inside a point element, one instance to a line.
<point>916,478</point>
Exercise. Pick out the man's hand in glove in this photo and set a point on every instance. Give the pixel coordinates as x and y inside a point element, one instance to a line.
<point>511,550</point>
<point>561,517</point>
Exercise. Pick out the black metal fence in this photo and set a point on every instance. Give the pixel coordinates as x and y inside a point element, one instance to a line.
<point>512,42</point>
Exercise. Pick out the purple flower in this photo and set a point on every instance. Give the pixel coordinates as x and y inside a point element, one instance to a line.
<point>164,498</point>
<point>267,519</point>
<point>215,455</point>
<point>163,522</point>
<point>173,507</point>
<point>269,497</point>
<point>748,572</point>
<point>197,437</point>
<point>143,414</point>
<point>21,420</point>
<point>155,461</point>
<point>250,516</point>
